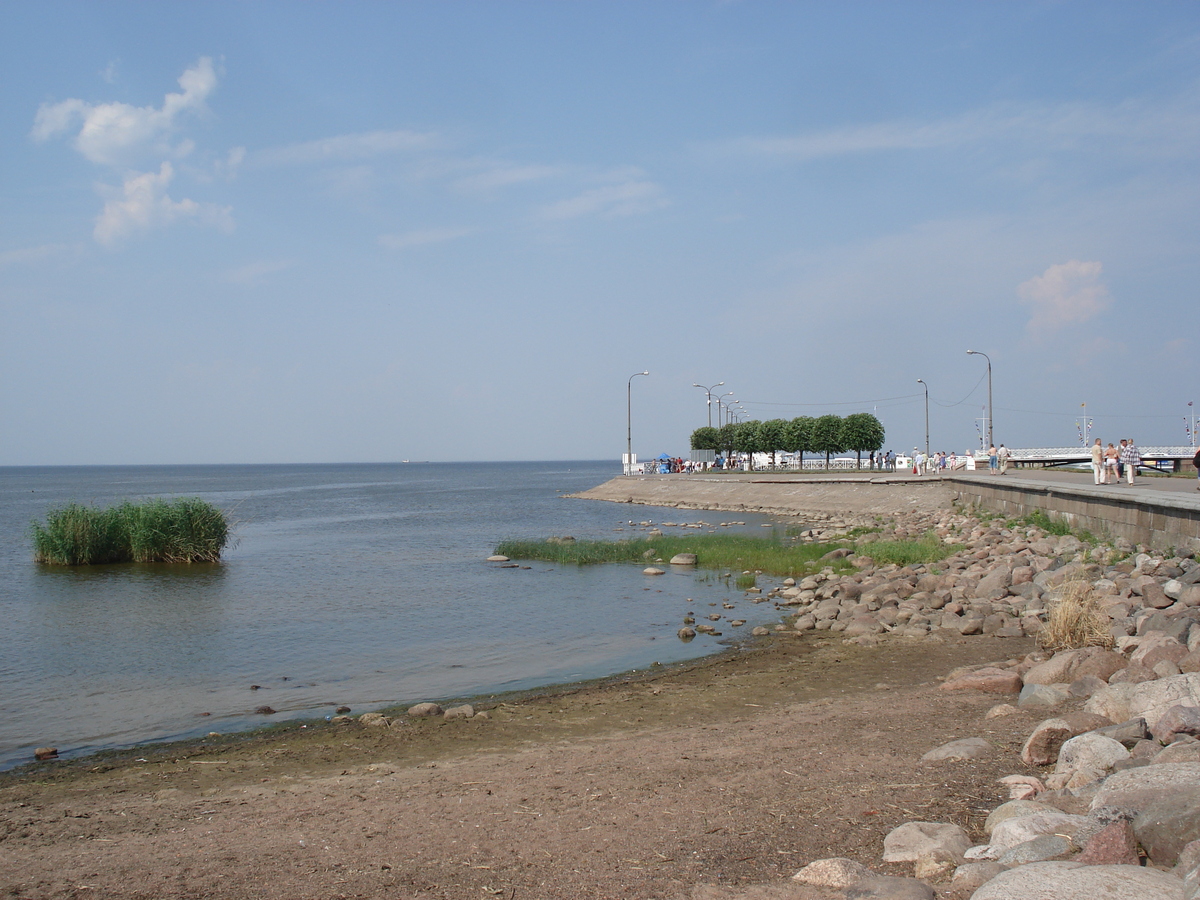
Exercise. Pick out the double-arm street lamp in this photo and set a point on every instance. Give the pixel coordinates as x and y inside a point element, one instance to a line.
<point>991,433</point>
<point>720,415</point>
<point>629,422</point>
<point>924,385</point>
<point>708,391</point>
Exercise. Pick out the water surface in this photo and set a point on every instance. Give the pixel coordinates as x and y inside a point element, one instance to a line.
<point>361,585</point>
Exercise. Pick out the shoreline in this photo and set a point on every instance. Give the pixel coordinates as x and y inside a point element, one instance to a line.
<point>710,779</point>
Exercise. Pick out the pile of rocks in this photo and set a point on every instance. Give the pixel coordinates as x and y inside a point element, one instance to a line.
<point>1002,582</point>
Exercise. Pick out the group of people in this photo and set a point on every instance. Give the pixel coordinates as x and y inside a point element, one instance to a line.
<point>1110,463</point>
<point>938,462</point>
<point>997,460</point>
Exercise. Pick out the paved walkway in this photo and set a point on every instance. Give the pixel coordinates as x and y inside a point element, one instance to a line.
<point>1085,480</point>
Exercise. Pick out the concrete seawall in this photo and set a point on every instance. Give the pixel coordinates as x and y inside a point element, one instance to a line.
<point>1158,519</point>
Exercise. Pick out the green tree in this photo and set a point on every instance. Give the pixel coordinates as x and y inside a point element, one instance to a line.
<point>706,438</point>
<point>862,432</point>
<point>727,438</point>
<point>772,435</point>
<point>827,436</point>
<point>798,436</point>
<point>745,439</point>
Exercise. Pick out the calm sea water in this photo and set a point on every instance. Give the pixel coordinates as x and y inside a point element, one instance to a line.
<point>362,585</point>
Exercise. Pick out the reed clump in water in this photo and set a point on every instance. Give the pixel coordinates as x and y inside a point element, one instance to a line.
<point>186,530</point>
<point>723,551</point>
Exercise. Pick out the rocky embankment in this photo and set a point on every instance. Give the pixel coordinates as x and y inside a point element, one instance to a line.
<point>1106,793</point>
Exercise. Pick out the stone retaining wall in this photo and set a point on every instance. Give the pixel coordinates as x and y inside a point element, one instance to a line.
<point>1157,519</point>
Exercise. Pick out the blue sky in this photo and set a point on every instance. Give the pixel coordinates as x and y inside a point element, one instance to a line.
<point>291,232</point>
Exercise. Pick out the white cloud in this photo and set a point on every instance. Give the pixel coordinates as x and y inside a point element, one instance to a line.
<point>1157,128</point>
<point>423,237</point>
<point>257,272</point>
<point>29,255</point>
<point>143,203</point>
<point>1069,293</point>
<point>347,147</point>
<point>501,175</point>
<point>116,133</point>
<point>625,199</point>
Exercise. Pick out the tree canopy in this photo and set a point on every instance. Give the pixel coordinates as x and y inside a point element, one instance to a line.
<point>706,438</point>
<point>862,432</point>
<point>828,434</point>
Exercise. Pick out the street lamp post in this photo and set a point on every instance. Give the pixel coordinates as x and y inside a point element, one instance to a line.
<point>924,385</point>
<point>991,432</point>
<point>708,391</point>
<point>720,415</point>
<point>629,422</point>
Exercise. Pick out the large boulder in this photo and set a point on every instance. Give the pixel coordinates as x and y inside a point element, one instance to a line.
<point>1166,800</point>
<point>1166,826</point>
<point>1150,700</point>
<point>1074,881</point>
<point>1178,720</point>
<point>915,841</point>
<point>1019,829</point>
<point>1088,757</point>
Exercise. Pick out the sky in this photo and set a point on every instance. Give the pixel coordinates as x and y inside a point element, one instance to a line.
<point>281,232</point>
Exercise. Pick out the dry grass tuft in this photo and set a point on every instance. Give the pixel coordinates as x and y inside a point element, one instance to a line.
<point>1076,621</point>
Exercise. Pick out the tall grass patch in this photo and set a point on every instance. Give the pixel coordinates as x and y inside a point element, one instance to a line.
<point>716,551</point>
<point>928,549</point>
<point>186,530</point>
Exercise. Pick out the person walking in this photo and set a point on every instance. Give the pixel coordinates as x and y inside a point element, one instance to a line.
<point>1131,459</point>
<point>1098,462</point>
<point>1120,464</point>
<point>1002,456</point>
<point>1196,463</point>
<point>993,460</point>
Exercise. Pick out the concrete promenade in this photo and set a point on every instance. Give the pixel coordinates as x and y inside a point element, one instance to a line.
<point>1160,512</point>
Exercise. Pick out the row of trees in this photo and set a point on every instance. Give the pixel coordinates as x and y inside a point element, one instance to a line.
<point>860,432</point>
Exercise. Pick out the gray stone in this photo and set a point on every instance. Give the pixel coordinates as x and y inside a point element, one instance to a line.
<point>1040,849</point>
<point>1091,751</point>
<point>1182,750</point>
<point>1011,810</point>
<point>1137,789</point>
<point>966,748</point>
<point>465,711</point>
<point>1127,733</point>
<point>971,875</point>
<point>1178,720</point>
<point>922,840</point>
<point>836,872</point>
<point>424,709</point>
<point>653,570</point>
<point>1164,827</point>
<point>1019,829</point>
<point>683,559</point>
<point>1072,881</point>
<point>1041,696</point>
